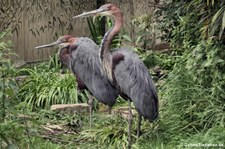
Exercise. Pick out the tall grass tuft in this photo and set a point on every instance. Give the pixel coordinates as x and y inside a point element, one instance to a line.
<point>188,108</point>
<point>97,32</point>
<point>108,131</point>
<point>47,88</point>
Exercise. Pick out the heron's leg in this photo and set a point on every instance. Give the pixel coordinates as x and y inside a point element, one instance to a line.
<point>109,109</point>
<point>90,102</point>
<point>129,125</point>
<point>139,126</point>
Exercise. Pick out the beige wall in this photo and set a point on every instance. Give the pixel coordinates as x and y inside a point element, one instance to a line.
<point>36,22</point>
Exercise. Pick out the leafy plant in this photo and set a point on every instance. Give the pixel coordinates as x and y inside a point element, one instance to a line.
<point>10,130</point>
<point>7,84</point>
<point>47,88</point>
<point>144,34</point>
<point>202,55</point>
<point>109,129</point>
<point>208,15</point>
<point>183,93</point>
<point>207,62</point>
<point>151,59</point>
<point>192,97</point>
<point>97,31</point>
<point>54,63</point>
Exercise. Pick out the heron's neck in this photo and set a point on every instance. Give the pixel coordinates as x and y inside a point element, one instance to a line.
<point>104,52</point>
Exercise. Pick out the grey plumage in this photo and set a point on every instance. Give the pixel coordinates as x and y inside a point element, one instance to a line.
<point>134,80</point>
<point>80,55</point>
<point>85,63</point>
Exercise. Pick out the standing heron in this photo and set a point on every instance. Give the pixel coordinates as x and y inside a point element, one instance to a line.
<point>126,71</point>
<point>80,55</point>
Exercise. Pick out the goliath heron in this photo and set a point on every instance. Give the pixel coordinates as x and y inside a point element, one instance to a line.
<point>80,55</point>
<point>126,71</point>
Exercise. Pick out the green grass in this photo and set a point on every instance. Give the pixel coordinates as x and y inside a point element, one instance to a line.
<point>108,131</point>
<point>188,114</point>
<point>47,88</point>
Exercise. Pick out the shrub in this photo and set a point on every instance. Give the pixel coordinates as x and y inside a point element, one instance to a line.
<point>47,88</point>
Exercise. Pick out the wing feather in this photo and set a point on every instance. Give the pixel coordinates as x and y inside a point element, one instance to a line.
<point>87,65</point>
<point>135,81</point>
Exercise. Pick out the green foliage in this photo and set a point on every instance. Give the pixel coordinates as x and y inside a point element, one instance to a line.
<point>95,28</point>
<point>47,88</point>
<point>214,135</point>
<point>144,35</point>
<point>192,97</point>
<point>54,63</point>
<point>207,63</point>
<point>151,59</point>
<point>179,29</point>
<point>9,128</point>
<point>14,130</point>
<point>5,53</point>
<point>11,132</point>
<point>109,130</point>
<point>201,51</point>
<point>143,38</point>
<point>25,129</point>
<point>204,19</point>
<point>7,84</point>
<point>200,110</point>
<point>97,32</point>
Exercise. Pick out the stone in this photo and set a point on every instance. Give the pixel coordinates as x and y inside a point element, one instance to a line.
<point>71,108</point>
<point>123,112</point>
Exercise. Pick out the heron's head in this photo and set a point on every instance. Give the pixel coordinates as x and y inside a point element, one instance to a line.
<point>63,41</point>
<point>104,10</point>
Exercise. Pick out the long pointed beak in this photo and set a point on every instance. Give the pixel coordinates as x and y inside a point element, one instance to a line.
<point>90,13</point>
<point>48,45</point>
